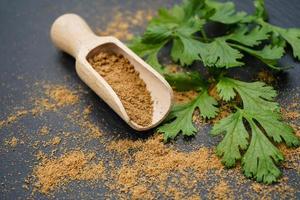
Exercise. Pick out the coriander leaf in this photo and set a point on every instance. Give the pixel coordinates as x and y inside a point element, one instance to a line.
<point>260,10</point>
<point>186,50</point>
<point>292,36</point>
<point>225,89</point>
<point>249,37</point>
<point>261,157</point>
<point>236,138</point>
<point>182,116</point>
<point>218,53</point>
<point>178,24</point>
<point>184,81</point>
<point>149,52</point>
<point>276,40</point>
<point>152,60</point>
<point>182,123</point>
<point>156,34</point>
<point>254,95</point>
<point>269,54</point>
<point>171,17</point>
<point>193,7</point>
<point>274,127</point>
<point>225,12</point>
<point>179,14</point>
<point>207,105</point>
<point>189,27</point>
<point>159,32</point>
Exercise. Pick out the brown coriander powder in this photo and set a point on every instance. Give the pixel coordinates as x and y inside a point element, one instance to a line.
<point>76,165</point>
<point>126,82</point>
<point>13,142</point>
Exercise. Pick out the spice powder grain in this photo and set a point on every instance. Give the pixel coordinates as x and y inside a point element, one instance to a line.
<point>125,81</point>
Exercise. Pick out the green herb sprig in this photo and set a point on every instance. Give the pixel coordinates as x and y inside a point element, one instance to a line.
<point>254,128</point>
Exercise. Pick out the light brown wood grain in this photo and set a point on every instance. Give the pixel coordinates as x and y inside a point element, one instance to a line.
<point>71,34</point>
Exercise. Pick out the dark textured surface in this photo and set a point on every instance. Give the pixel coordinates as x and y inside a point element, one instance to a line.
<point>27,56</point>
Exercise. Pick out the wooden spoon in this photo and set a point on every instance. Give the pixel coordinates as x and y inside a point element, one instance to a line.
<point>71,34</point>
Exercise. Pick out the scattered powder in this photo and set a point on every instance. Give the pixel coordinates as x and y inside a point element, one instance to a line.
<point>173,68</point>
<point>40,155</point>
<point>224,110</point>
<point>42,105</point>
<point>296,129</point>
<point>153,163</point>
<point>82,120</point>
<point>13,142</point>
<point>13,118</point>
<point>124,21</point>
<point>184,97</point>
<point>148,169</point>
<point>127,84</point>
<point>266,76</point>
<point>292,157</point>
<point>213,91</point>
<point>194,197</point>
<point>123,146</point>
<point>141,192</point>
<point>221,191</point>
<point>56,97</point>
<point>75,165</point>
<point>94,131</point>
<point>61,95</point>
<point>290,115</point>
<point>44,130</point>
<point>145,171</point>
<point>282,189</point>
<point>87,111</point>
<point>55,141</point>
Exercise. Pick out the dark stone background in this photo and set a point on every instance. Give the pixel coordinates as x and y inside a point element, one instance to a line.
<point>27,56</point>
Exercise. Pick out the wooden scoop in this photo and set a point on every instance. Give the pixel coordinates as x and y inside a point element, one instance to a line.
<point>71,34</point>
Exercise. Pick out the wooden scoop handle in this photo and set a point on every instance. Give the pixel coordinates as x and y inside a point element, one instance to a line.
<point>69,33</point>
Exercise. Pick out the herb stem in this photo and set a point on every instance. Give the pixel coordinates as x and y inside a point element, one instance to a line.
<point>204,35</point>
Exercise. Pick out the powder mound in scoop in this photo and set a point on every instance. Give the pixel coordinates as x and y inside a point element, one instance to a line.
<point>126,82</point>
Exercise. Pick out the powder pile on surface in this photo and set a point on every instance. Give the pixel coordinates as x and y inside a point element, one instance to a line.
<point>156,166</point>
<point>61,95</point>
<point>134,169</point>
<point>57,96</point>
<point>75,165</point>
<point>290,115</point>
<point>148,169</point>
<point>184,97</point>
<point>127,84</point>
<point>221,191</point>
